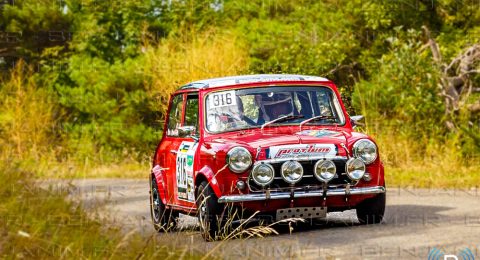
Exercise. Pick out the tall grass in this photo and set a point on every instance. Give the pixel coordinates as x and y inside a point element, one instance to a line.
<point>431,160</point>
<point>179,60</point>
<point>426,162</point>
<point>27,120</point>
<point>38,223</point>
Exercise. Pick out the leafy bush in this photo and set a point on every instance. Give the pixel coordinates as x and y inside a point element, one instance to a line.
<point>402,90</point>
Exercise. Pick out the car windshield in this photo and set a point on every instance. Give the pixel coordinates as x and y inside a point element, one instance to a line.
<point>230,110</point>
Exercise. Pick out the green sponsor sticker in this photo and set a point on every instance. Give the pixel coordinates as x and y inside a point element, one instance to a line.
<point>190,160</point>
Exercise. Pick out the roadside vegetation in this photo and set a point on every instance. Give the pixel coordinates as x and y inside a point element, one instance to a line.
<point>38,223</point>
<point>84,92</point>
<point>84,88</point>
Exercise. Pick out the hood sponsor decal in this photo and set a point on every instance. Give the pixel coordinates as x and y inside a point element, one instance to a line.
<point>302,150</point>
<point>317,133</point>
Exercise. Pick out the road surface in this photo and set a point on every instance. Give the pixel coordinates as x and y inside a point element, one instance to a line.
<point>418,222</point>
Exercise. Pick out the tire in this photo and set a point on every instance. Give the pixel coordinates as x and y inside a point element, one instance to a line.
<point>371,211</point>
<point>209,212</point>
<point>163,219</point>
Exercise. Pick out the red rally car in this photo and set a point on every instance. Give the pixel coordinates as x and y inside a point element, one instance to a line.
<point>273,145</point>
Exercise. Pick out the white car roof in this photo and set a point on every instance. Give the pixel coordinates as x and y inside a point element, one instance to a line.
<point>257,78</point>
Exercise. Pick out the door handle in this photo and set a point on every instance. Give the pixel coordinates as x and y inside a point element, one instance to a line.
<point>173,151</point>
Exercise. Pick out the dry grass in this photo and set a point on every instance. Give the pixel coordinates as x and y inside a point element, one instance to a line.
<point>124,169</point>
<point>177,61</point>
<point>39,223</point>
<point>424,164</point>
<point>26,118</point>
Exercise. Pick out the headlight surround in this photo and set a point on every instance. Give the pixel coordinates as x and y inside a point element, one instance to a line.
<point>263,174</point>
<point>366,150</point>
<point>239,159</point>
<point>325,170</point>
<point>355,169</point>
<point>292,171</point>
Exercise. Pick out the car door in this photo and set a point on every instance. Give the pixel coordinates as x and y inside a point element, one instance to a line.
<point>185,157</point>
<point>171,144</point>
<point>180,149</point>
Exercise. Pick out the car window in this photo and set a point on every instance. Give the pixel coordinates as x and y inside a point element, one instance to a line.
<point>191,112</point>
<point>175,116</point>
<point>234,109</point>
<point>325,103</point>
<point>249,108</point>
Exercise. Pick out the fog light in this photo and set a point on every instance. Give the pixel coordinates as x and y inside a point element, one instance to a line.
<point>240,185</point>
<point>292,172</point>
<point>263,174</point>
<point>355,169</point>
<point>325,170</point>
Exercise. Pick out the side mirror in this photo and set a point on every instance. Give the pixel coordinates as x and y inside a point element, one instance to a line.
<point>187,131</point>
<point>355,120</point>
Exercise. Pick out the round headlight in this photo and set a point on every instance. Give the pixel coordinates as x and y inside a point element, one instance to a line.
<point>365,150</point>
<point>325,170</point>
<point>263,174</point>
<point>239,159</point>
<point>355,169</point>
<point>292,171</point>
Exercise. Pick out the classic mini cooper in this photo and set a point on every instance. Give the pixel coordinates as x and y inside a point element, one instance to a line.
<point>281,146</point>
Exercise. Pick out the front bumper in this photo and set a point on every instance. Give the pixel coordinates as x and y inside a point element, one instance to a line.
<point>301,194</point>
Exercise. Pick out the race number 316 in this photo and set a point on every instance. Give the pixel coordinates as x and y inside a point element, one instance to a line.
<point>220,99</point>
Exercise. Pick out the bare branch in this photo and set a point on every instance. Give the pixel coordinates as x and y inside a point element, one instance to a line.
<point>472,72</point>
<point>454,61</point>
<point>437,56</point>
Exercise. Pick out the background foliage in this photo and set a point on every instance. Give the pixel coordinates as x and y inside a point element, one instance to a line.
<point>94,83</point>
<point>84,88</point>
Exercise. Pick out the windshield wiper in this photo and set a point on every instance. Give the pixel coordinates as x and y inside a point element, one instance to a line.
<point>315,118</point>
<point>280,119</point>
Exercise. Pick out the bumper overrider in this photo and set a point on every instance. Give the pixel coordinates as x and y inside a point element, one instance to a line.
<point>302,194</point>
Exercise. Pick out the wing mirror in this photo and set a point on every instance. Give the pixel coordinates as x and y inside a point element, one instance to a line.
<point>355,120</point>
<point>188,131</point>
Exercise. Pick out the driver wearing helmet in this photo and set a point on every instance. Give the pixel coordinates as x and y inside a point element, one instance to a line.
<point>273,106</point>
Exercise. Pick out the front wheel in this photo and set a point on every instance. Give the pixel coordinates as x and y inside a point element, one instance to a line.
<point>371,211</point>
<point>209,212</point>
<point>163,219</point>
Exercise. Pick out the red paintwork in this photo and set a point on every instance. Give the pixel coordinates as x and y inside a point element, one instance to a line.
<point>212,149</point>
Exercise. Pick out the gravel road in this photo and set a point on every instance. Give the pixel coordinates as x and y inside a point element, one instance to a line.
<point>417,221</point>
